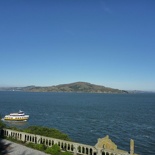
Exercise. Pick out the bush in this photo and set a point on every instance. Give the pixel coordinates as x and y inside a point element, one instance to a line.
<point>48,150</point>
<point>48,132</point>
<point>31,145</point>
<point>40,147</point>
<point>2,124</point>
<point>54,150</point>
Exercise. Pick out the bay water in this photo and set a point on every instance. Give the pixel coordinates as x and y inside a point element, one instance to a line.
<point>85,117</point>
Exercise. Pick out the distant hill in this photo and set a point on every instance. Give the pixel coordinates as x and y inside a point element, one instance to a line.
<point>71,87</point>
<point>74,87</point>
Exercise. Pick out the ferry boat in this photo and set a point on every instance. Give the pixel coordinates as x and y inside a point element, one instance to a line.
<point>20,116</point>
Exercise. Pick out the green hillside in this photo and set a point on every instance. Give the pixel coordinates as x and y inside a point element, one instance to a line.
<point>75,87</point>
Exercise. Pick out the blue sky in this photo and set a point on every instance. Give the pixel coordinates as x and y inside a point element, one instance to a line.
<point>105,42</point>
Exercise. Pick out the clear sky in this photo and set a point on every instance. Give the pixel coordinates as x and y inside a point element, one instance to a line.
<point>105,42</point>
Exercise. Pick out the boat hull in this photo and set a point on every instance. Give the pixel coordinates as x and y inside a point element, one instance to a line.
<point>14,118</point>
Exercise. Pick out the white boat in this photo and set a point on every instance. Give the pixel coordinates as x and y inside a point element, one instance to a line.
<point>20,116</point>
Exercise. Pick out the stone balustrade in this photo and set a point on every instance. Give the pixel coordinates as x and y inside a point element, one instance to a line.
<point>104,146</point>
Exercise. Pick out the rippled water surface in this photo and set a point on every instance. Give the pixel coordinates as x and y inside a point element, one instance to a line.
<point>86,117</point>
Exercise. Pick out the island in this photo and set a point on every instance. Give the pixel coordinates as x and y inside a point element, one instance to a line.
<point>79,87</point>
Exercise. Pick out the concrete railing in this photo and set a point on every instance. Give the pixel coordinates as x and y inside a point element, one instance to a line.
<point>75,148</point>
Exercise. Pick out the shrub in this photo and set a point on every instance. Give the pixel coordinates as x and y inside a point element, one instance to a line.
<point>54,150</point>
<point>48,150</point>
<point>48,132</point>
<point>31,145</point>
<point>2,124</point>
<point>40,147</point>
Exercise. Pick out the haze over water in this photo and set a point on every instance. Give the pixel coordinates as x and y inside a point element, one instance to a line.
<point>86,117</point>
